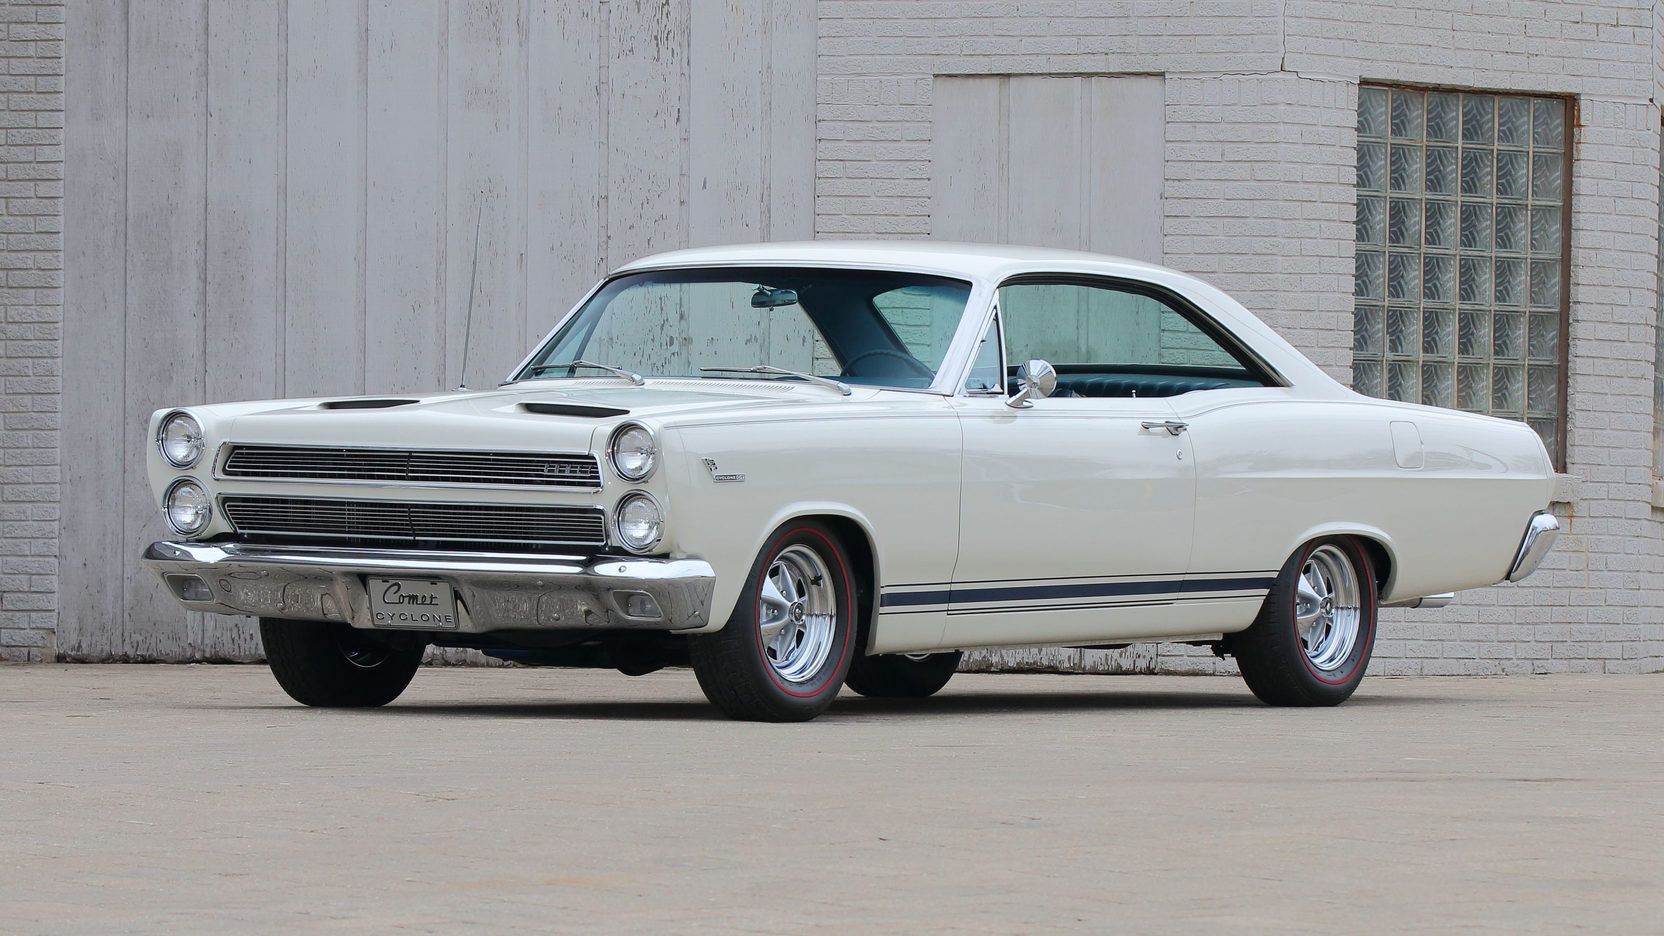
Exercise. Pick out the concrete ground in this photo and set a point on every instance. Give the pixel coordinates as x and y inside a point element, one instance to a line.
<point>168,799</point>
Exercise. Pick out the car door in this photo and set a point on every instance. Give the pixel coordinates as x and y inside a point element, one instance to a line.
<point>1077,512</point>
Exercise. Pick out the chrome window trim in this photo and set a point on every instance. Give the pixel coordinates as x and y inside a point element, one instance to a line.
<point>997,324</point>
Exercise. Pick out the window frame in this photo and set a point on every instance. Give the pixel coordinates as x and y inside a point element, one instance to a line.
<point>1558,454</point>
<point>1251,361</point>
<point>995,327</point>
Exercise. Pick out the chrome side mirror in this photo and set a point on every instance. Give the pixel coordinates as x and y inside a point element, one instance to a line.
<point>1035,380</point>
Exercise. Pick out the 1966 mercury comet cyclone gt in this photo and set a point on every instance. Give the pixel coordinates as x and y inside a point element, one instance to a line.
<point>801,466</point>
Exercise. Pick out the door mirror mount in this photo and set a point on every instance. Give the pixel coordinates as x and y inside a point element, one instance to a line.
<point>1035,380</point>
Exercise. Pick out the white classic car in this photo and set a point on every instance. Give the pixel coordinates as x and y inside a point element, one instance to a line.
<point>801,466</point>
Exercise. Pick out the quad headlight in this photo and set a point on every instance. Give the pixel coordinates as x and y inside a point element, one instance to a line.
<point>639,521</point>
<point>180,439</point>
<point>633,451</point>
<point>188,507</point>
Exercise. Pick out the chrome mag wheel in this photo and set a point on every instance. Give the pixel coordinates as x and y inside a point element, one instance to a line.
<point>1328,608</point>
<point>797,613</point>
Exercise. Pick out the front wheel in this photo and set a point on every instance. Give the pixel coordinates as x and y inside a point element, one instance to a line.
<point>902,675</point>
<point>335,666</point>
<point>785,651</point>
<point>1312,640</point>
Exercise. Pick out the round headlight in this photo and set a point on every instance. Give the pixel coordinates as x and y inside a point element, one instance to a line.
<point>188,507</point>
<point>181,440</point>
<point>633,452</point>
<point>640,522</point>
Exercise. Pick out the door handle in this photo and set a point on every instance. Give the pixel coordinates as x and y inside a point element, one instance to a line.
<point>1173,426</point>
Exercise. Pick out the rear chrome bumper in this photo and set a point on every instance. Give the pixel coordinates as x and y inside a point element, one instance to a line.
<point>494,591</point>
<point>1539,538</point>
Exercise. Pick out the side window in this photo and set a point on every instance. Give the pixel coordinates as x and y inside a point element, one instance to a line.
<point>986,373</point>
<point>1112,342</point>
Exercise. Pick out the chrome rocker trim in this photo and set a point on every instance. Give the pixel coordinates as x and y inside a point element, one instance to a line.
<point>1539,538</point>
<point>495,591</point>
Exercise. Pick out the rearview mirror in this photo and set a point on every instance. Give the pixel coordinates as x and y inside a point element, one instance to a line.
<point>1035,380</point>
<point>766,298</point>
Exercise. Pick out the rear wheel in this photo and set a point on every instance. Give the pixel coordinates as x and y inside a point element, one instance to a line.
<point>902,675</point>
<point>336,666</point>
<point>1311,642</point>
<point>785,651</point>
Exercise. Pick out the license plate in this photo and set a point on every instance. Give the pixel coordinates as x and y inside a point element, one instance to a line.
<point>412,603</point>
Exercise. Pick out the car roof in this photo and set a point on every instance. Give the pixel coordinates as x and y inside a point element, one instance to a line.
<point>989,264</point>
<point>973,261</point>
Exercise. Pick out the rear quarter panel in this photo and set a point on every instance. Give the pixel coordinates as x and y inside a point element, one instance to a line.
<point>1275,470</point>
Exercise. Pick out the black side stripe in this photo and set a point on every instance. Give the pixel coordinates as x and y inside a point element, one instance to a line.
<point>1073,590</point>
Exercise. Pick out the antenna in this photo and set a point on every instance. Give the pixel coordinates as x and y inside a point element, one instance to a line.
<point>473,278</point>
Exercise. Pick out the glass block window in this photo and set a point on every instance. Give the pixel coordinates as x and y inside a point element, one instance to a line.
<point>1461,282</point>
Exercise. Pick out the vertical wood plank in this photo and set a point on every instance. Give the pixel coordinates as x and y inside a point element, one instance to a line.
<point>566,141</point>
<point>242,318</point>
<point>727,142</point>
<point>324,315</point>
<point>1045,163</point>
<point>646,127</point>
<point>789,98</point>
<point>647,149</point>
<point>726,130</point>
<point>1128,156</point>
<point>485,162</point>
<point>1044,179</point>
<point>166,278</point>
<point>404,205</point>
<point>967,159</point>
<point>91,547</point>
<point>244,143</point>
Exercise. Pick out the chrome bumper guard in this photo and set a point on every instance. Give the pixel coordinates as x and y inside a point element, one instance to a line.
<point>494,591</point>
<point>1539,538</point>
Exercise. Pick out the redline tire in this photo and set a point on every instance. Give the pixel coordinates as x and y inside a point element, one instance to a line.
<point>796,671</point>
<point>1287,662</point>
<point>899,676</point>
<point>332,666</point>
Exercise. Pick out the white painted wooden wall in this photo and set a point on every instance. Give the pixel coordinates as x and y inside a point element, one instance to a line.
<point>279,198</point>
<point>1074,162</point>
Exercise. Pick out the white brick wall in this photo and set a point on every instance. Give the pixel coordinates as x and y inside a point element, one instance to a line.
<point>31,303</point>
<point>1261,137</point>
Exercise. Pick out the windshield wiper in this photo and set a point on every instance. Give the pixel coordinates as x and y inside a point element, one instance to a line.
<point>629,375</point>
<point>837,385</point>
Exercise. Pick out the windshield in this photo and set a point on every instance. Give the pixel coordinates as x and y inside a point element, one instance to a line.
<point>877,328</point>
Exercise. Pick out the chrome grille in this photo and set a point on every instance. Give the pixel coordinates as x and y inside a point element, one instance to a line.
<point>359,522</point>
<point>430,466</point>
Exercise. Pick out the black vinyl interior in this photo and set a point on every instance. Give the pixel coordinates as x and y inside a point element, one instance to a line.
<point>1089,380</point>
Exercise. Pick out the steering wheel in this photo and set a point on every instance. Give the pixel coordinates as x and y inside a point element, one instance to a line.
<point>908,362</point>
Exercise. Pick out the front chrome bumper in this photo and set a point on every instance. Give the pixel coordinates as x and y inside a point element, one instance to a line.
<point>1539,538</point>
<point>494,591</point>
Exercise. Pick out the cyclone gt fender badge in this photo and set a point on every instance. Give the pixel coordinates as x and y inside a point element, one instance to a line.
<point>720,476</point>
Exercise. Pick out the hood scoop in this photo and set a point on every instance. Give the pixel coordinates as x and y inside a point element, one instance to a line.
<point>365,404</point>
<point>573,409</point>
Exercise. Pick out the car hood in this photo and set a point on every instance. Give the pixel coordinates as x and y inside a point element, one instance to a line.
<point>531,415</point>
